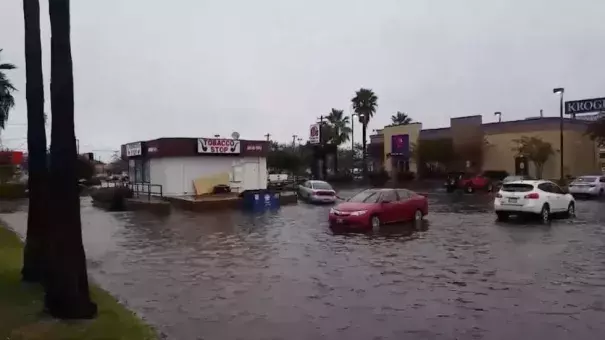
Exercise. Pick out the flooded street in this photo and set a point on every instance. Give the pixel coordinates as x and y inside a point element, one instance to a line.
<point>286,275</point>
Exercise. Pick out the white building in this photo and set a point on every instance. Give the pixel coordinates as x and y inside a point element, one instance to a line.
<point>193,166</point>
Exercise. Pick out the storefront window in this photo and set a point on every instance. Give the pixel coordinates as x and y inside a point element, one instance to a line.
<point>131,172</point>
<point>138,171</point>
<point>146,172</point>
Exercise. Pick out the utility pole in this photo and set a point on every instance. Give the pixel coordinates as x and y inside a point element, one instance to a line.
<point>294,140</point>
<point>322,143</point>
<point>268,137</point>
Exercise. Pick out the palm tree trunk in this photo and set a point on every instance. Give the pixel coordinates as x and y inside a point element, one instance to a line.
<point>364,153</point>
<point>67,292</point>
<point>337,133</point>
<point>33,254</point>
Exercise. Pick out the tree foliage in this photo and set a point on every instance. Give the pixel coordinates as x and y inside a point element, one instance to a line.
<point>338,128</point>
<point>7,101</point>
<point>536,150</point>
<point>596,131</point>
<point>401,118</point>
<point>364,104</point>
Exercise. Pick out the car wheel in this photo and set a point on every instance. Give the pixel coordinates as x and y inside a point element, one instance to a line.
<point>601,193</point>
<point>545,214</point>
<point>469,189</point>
<point>375,222</point>
<point>502,216</point>
<point>571,210</point>
<point>418,216</point>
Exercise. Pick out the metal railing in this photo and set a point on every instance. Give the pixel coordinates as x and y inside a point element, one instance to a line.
<point>146,189</point>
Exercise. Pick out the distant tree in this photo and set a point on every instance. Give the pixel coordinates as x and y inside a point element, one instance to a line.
<point>339,130</point>
<point>7,101</point>
<point>365,104</point>
<point>535,150</point>
<point>596,131</point>
<point>340,127</point>
<point>401,118</point>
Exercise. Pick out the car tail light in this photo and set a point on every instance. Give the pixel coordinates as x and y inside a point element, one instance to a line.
<point>532,196</point>
<point>498,195</point>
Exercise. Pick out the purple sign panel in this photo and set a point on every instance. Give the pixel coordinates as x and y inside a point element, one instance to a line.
<point>400,145</point>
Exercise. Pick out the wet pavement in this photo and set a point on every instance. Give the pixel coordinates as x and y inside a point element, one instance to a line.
<point>286,275</point>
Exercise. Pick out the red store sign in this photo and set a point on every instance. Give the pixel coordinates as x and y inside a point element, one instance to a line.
<point>218,146</point>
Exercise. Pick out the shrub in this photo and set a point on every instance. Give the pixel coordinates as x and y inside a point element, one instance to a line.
<point>378,178</point>
<point>406,176</point>
<point>13,191</point>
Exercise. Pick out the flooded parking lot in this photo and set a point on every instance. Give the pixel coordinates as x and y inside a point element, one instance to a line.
<point>286,275</point>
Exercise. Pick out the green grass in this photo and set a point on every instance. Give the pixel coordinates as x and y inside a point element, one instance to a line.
<point>21,306</point>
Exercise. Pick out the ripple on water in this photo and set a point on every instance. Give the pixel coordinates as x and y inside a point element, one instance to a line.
<point>286,275</point>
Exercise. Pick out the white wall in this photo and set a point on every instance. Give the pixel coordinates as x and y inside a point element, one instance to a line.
<point>176,174</point>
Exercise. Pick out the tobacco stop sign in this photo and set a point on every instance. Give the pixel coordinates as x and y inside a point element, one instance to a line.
<point>218,146</point>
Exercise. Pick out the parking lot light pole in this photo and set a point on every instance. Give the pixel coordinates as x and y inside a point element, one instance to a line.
<point>560,91</point>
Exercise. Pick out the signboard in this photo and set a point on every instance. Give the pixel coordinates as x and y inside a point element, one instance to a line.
<point>400,145</point>
<point>133,149</point>
<point>314,134</point>
<point>218,146</point>
<point>585,106</point>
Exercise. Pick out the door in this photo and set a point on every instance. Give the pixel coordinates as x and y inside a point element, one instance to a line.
<point>552,197</point>
<point>304,189</point>
<point>521,166</point>
<point>251,176</point>
<point>390,206</point>
<point>406,208</point>
<point>561,197</point>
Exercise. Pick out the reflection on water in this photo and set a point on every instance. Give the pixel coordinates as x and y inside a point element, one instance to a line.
<point>286,275</point>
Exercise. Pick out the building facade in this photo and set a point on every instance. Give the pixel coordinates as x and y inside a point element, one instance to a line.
<point>475,146</point>
<point>193,166</point>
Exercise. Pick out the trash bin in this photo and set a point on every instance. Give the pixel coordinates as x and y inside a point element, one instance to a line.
<point>260,200</point>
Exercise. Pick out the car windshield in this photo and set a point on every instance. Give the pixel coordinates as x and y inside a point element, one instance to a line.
<point>368,196</point>
<point>586,179</point>
<point>517,187</point>
<point>321,186</point>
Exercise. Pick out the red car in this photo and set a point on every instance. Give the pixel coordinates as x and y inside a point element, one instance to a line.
<point>374,207</point>
<point>467,182</point>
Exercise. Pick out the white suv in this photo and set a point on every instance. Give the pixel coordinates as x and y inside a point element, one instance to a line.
<point>543,198</point>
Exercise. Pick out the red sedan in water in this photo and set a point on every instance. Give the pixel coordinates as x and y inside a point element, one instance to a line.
<point>374,207</point>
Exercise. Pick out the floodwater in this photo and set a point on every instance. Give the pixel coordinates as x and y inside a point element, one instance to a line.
<point>286,275</point>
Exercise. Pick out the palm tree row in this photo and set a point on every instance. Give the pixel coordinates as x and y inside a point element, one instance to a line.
<point>338,126</point>
<point>53,255</point>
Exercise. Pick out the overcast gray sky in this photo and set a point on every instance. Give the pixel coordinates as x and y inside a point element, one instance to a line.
<point>148,69</point>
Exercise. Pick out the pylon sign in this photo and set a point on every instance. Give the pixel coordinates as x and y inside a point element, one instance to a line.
<point>314,134</point>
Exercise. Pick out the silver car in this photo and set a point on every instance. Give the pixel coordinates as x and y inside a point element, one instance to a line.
<point>317,192</point>
<point>593,186</point>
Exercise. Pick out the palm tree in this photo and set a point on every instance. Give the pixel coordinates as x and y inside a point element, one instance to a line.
<point>401,118</point>
<point>7,101</point>
<point>340,130</point>
<point>340,127</point>
<point>37,219</point>
<point>364,103</point>
<point>67,291</point>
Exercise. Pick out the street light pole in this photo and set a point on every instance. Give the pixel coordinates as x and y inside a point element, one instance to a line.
<point>560,92</point>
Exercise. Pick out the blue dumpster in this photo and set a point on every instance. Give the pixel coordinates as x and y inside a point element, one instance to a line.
<point>260,200</point>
